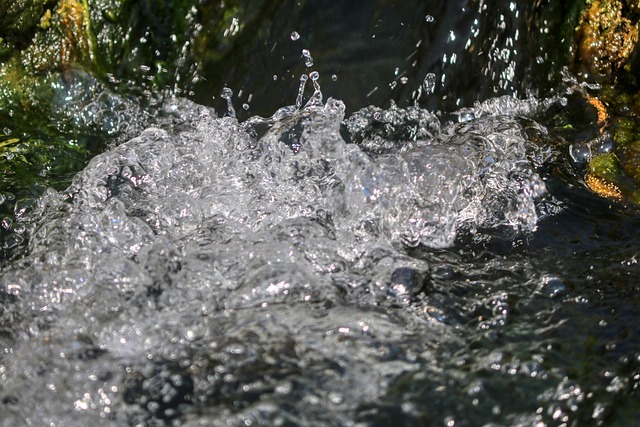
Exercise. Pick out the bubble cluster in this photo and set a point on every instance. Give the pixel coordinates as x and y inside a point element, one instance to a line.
<point>187,269</point>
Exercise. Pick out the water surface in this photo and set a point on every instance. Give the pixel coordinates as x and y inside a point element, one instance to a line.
<point>345,261</point>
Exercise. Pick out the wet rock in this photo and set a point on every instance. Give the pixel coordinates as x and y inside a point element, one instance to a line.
<point>19,21</point>
<point>606,36</point>
<point>76,75</point>
<point>606,51</point>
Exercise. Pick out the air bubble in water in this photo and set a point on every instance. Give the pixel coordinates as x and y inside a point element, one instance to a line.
<point>580,153</point>
<point>314,75</point>
<point>465,116</point>
<point>295,36</point>
<point>429,18</point>
<point>334,78</point>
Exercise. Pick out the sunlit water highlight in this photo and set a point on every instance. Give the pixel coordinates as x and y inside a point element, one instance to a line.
<point>394,267</point>
<point>286,271</point>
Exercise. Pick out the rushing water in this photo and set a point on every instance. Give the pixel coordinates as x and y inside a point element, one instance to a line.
<point>390,266</point>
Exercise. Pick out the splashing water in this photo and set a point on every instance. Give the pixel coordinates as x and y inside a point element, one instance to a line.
<point>394,267</point>
<point>185,270</point>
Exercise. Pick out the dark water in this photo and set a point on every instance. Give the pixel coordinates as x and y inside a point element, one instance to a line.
<point>442,54</point>
<point>346,263</point>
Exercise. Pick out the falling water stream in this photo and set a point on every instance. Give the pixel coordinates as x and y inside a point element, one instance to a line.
<point>431,259</point>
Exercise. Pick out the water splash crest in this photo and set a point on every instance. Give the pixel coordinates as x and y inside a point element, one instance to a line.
<point>181,261</point>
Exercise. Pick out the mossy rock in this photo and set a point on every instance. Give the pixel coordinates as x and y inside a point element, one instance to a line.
<point>607,50</point>
<point>74,74</point>
<point>606,37</point>
<point>19,22</point>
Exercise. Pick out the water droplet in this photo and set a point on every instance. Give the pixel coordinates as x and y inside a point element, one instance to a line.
<point>580,153</point>
<point>334,78</point>
<point>6,131</point>
<point>429,18</point>
<point>372,91</point>
<point>308,60</point>
<point>314,75</point>
<point>227,93</point>
<point>275,77</point>
<point>295,36</point>
<point>245,106</point>
<point>429,83</point>
<point>303,81</point>
<point>404,80</point>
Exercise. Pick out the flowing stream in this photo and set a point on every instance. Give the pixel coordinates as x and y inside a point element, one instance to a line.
<point>330,265</point>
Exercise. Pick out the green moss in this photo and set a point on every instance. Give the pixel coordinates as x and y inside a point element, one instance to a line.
<point>60,57</point>
<point>605,37</point>
<point>625,130</point>
<point>129,45</point>
<point>631,161</point>
<point>605,166</point>
<point>20,18</point>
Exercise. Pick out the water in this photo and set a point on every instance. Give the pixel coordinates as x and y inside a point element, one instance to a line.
<point>332,264</point>
<point>273,272</point>
<point>383,51</point>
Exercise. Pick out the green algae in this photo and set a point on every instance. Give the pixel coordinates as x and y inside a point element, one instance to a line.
<point>605,166</point>
<point>74,74</point>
